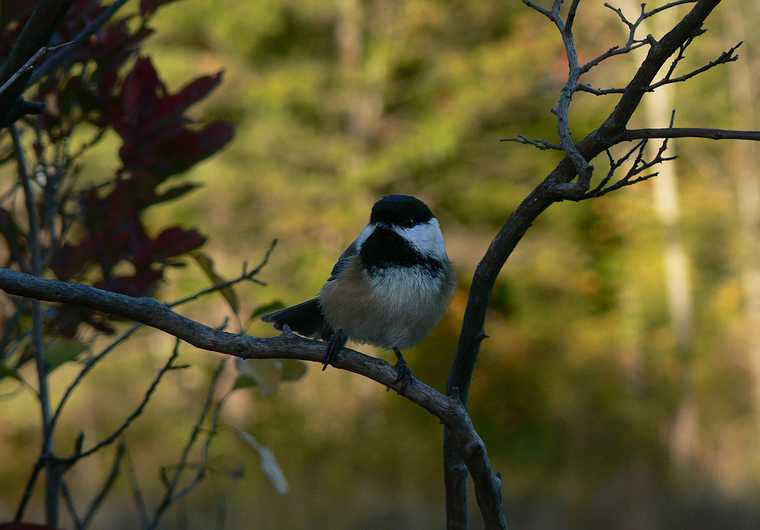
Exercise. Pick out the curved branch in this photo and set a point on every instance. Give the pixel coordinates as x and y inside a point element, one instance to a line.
<point>152,313</point>
<point>555,187</point>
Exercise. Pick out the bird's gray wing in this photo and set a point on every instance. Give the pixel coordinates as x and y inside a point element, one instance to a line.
<point>343,260</point>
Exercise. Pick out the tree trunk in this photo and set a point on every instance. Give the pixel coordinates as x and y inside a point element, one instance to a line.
<point>744,95</point>
<point>657,108</point>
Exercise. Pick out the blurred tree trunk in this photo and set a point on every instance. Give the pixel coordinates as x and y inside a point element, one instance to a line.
<point>657,108</point>
<point>363,102</point>
<point>744,95</point>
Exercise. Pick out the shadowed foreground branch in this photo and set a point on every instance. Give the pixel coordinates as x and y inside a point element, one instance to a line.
<point>153,313</point>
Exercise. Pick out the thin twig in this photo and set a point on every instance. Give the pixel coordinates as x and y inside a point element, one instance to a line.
<point>134,486</point>
<point>28,66</point>
<point>68,499</point>
<point>203,467</point>
<point>538,143</point>
<point>111,438</point>
<point>171,484</point>
<point>60,57</point>
<point>246,275</point>
<point>33,241</point>
<point>727,56</point>
<point>107,486</point>
<point>28,489</point>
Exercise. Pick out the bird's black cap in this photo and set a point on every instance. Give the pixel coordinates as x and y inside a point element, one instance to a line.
<point>400,210</point>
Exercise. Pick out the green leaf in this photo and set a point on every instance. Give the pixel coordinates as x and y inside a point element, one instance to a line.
<point>292,369</point>
<point>269,464</point>
<point>266,308</point>
<point>244,381</point>
<point>176,192</point>
<point>61,351</point>
<point>265,372</point>
<point>207,265</point>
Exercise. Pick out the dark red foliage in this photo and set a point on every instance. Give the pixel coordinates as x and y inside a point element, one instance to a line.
<point>115,89</point>
<point>148,7</point>
<point>156,134</point>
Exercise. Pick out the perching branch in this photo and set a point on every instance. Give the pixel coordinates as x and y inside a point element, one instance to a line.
<point>152,313</point>
<point>245,275</point>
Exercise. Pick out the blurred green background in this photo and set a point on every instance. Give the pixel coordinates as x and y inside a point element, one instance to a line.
<point>620,384</point>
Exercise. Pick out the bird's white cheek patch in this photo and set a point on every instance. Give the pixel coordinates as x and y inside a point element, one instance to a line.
<point>426,237</point>
<point>364,235</point>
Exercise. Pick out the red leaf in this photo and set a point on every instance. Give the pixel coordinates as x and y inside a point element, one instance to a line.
<point>188,95</point>
<point>141,93</point>
<point>141,284</point>
<point>148,7</point>
<point>176,241</point>
<point>153,128</point>
<point>175,193</point>
<point>179,152</point>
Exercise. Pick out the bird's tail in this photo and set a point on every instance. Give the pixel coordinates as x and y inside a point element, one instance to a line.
<point>305,319</point>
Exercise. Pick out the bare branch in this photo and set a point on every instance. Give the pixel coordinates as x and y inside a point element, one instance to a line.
<point>111,438</point>
<point>134,486</point>
<point>541,9</point>
<point>286,346</point>
<point>562,110</point>
<point>639,166</point>
<point>585,87</point>
<point>68,500</point>
<point>609,133</point>
<point>52,476</point>
<point>246,275</point>
<point>727,56</point>
<point>690,132</point>
<point>35,35</point>
<point>107,486</point>
<point>669,5</point>
<point>538,143</point>
<point>93,27</point>
<point>28,66</point>
<point>27,494</point>
<point>170,494</point>
<point>571,13</point>
<point>153,313</point>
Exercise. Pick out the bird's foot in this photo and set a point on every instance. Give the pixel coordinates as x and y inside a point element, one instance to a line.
<point>404,375</point>
<point>334,345</point>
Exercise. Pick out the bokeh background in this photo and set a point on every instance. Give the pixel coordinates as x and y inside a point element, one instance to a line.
<point>620,385</point>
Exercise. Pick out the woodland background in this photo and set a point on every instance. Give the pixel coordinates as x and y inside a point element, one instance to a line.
<point>620,385</point>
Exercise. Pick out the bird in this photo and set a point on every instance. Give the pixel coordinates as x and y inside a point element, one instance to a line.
<point>389,288</point>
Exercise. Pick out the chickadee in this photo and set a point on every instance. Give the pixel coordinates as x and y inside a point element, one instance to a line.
<point>389,288</point>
